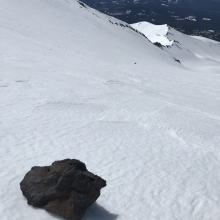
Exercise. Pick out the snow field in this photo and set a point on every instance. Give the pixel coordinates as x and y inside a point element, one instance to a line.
<point>70,89</point>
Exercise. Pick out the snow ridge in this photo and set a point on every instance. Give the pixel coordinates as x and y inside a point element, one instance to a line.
<point>155,33</point>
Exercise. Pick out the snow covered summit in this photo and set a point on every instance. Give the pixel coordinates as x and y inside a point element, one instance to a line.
<point>76,83</point>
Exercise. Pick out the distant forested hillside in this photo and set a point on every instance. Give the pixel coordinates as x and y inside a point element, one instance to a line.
<point>193,17</point>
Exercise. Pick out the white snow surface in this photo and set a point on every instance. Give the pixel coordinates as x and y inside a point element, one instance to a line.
<point>206,40</point>
<point>155,33</point>
<point>70,88</point>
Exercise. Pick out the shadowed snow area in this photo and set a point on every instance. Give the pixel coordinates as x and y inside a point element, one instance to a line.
<point>70,88</point>
<point>94,212</point>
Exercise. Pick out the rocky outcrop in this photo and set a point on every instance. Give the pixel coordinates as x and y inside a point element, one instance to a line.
<point>66,188</point>
<point>158,45</point>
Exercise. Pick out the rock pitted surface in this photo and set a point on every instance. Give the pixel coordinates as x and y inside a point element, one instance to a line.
<point>66,188</point>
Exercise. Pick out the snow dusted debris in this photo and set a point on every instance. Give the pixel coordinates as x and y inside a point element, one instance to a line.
<point>69,88</point>
<point>66,188</point>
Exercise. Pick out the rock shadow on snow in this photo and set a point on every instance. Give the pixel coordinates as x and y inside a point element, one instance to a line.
<point>94,212</point>
<point>97,212</point>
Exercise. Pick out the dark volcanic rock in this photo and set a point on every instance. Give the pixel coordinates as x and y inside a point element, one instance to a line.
<point>66,188</point>
<point>158,44</point>
<point>177,60</point>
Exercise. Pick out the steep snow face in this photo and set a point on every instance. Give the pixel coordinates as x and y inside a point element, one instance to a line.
<point>155,33</point>
<point>195,53</point>
<point>75,83</point>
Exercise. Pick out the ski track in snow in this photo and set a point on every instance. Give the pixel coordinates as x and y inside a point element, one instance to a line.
<point>70,89</point>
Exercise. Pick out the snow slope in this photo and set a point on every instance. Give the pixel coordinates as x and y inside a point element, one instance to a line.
<point>196,53</point>
<point>206,40</point>
<point>70,88</point>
